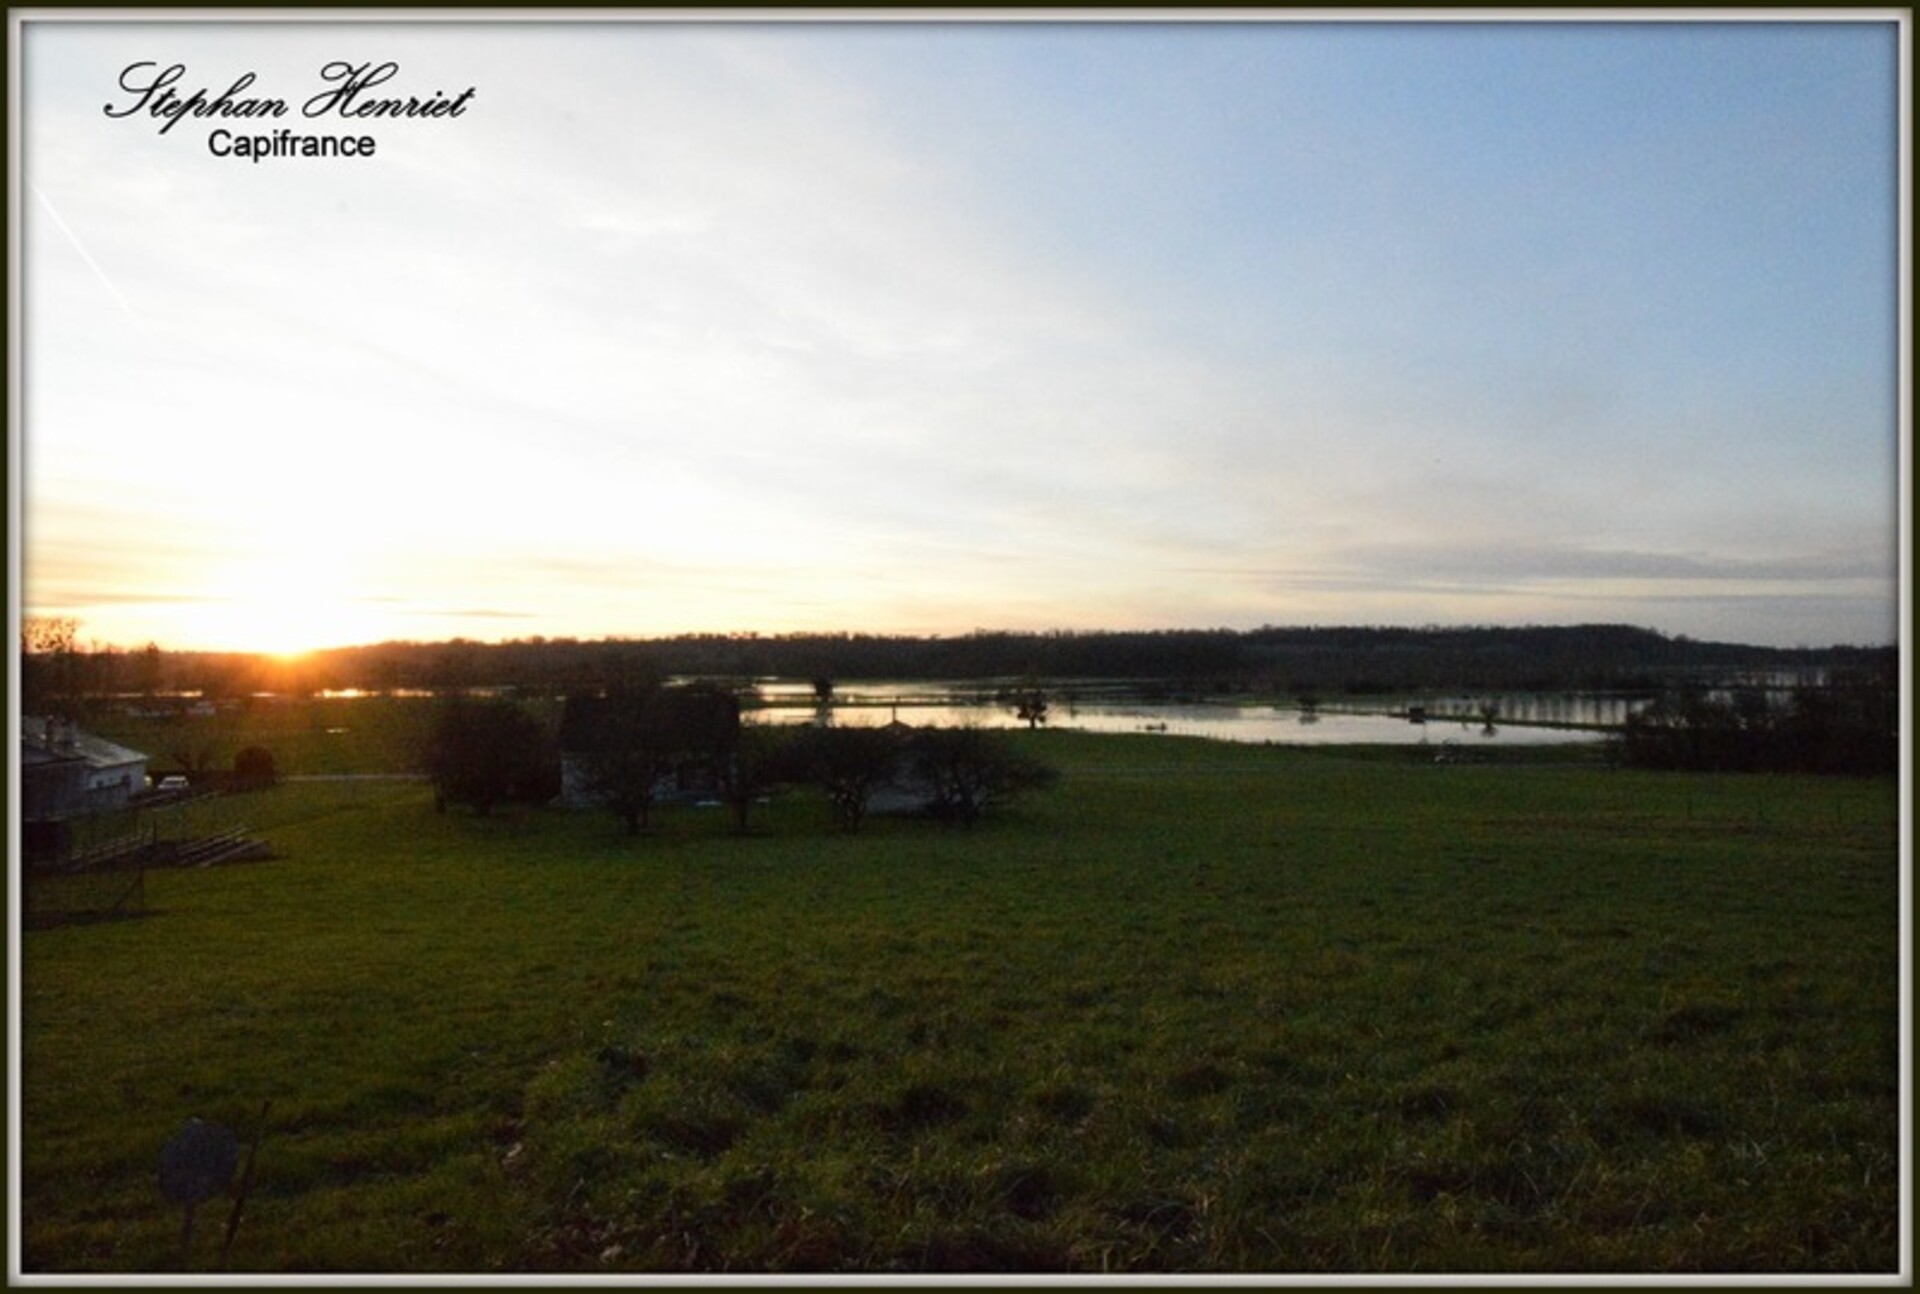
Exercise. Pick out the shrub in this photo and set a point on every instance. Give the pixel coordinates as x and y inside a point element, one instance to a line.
<point>849,764</point>
<point>969,770</point>
<point>254,767</point>
<point>1849,725</point>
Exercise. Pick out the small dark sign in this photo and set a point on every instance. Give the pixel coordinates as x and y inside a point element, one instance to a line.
<point>199,1162</point>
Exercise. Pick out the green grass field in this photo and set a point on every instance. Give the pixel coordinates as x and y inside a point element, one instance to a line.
<point>1200,1008</point>
<point>306,736</point>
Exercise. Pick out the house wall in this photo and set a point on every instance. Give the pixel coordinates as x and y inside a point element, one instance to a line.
<point>112,787</point>
<point>573,785</point>
<point>65,772</point>
<point>687,786</point>
<point>52,790</point>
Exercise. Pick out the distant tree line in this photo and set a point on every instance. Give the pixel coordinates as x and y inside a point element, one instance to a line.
<point>1849,725</point>
<point>59,671</point>
<point>1328,661</point>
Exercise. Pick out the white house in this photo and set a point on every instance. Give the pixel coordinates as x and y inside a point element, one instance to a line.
<point>66,772</point>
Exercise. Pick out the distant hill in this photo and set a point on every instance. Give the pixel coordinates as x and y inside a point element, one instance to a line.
<point>1270,659</point>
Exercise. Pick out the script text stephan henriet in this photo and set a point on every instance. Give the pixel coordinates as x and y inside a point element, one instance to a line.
<point>154,93</point>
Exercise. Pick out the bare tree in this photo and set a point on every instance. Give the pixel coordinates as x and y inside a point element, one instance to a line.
<point>632,741</point>
<point>1030,706</point>
<point>750,770</point>
<point>971,770</point>
<point>849,764</point>
<point>49,663</point>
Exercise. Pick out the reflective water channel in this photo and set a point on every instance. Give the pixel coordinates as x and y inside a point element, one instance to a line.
<point>1442,720</point>
<point>1518,719</point>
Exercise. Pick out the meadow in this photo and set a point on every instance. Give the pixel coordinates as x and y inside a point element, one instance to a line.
<point>1199,1008</point>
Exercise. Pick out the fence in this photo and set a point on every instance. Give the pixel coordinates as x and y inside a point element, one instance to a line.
<point>99,871</point>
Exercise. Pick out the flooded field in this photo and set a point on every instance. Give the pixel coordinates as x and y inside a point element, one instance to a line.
<point>1517,720</point>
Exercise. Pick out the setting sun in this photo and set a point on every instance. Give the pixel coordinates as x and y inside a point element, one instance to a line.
<point>285,604</point>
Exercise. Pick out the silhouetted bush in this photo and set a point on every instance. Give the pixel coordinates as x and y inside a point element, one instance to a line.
<point>968,770</point>
<point>849,764</point>
<point>254,768</point>
<point>1849,725</point>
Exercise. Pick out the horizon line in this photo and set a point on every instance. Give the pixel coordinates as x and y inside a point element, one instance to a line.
<point>749,635</point>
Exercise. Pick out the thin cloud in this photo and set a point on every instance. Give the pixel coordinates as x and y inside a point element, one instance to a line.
<point>1525,561</point>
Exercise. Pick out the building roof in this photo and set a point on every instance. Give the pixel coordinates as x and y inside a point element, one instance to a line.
<point>681,716</point>
<point>33,755</point>
<point>43,740</point>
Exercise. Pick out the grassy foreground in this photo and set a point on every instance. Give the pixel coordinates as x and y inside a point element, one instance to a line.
<point>1200,1008</point>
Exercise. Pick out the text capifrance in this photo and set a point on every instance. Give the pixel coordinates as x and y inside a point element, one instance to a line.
<point>356,93</point>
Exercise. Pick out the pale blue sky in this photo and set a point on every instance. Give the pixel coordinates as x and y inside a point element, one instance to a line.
<point>924,327</point>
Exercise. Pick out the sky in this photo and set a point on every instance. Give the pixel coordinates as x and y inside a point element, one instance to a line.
<point>924,327</point>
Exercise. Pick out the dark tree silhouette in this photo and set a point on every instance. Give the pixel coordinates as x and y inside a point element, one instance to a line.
<point>752,769</point>
<point>849,764</point>
<point>621,765</point>
<point>49,661</point>
<point>1030,706</point>
<point>485,753</point>
<point>969,770</point>
<point>631,742</point>
<point>1848,725</point>
<point>150,670</point>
